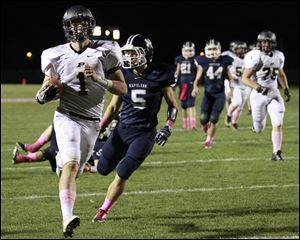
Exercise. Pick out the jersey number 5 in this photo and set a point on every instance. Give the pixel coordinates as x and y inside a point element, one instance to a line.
<point>138,101</point>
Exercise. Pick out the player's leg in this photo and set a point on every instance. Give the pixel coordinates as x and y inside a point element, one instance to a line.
<point>248,92</point>
<point>185,117</point>
<point>205,111</point>
<point>139,148</point>
<point>183,98</point>
<point>41,141</point>
<point>68,135</point>
<point>236,99</point>
<point>191,108</point>
<point>259,111</point>
<point>276,111</point>
<point>217,108</point>
<point>30,157</point>
<point>239,102</point>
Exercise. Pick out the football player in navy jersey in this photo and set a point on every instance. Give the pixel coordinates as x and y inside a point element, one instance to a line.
<point>214,68</point>
<point>135,135</point>
<point>187,71</point>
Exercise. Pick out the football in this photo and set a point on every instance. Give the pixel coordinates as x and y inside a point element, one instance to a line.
<point>57,83</point>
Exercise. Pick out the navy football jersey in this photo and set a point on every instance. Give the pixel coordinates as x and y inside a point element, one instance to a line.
<point>188,69</point>
<point>214,72</point>
<point>142,102</point>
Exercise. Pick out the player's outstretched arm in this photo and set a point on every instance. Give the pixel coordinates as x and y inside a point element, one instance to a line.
<point>196,83</point>
<point>165,132</point>
<point>111,111</point>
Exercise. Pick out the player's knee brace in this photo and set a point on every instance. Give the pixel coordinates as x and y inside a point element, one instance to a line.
<point>204,118</point>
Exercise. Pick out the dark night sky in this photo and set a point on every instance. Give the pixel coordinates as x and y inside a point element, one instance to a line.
<point>36,25</point>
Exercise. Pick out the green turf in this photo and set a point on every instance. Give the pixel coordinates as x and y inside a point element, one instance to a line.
<point>233,190</point>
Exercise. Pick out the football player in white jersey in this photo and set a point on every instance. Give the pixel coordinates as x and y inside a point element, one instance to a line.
<point>240,92</point>
<point>266,64</point>
<point>228,89</point>
<point>84,67</point>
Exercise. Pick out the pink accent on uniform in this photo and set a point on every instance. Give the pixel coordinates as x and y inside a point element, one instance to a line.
<point>104,122</point>
<point>193,122</point>
<point>236,115</point>
<point>209,139</point>
<point>67,199</point>
<point>37,145</point>
<point>276,140</point>
<point>185,123</point>
<point>170,123</point>
<point>32,157</point>
<point>106,206</point>
<point>184,90</point>
<point>205,128</point>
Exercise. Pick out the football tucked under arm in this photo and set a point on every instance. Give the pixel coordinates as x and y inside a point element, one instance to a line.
<point>51,89</point>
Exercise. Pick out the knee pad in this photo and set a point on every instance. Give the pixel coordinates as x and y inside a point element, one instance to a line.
<point>103,167</point>
<point>126,167</point>
<point>204,118</point>
<point>214,118</point>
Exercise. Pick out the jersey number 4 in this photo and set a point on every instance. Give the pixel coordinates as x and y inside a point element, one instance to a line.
<point>138,101</point>
<point>214,74</point>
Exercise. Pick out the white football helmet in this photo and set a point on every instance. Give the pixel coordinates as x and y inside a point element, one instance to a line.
<point>188,49</point>
<point>212,49</point>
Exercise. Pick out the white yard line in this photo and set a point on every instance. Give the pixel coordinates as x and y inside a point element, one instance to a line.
<point>160,191</point>
<point>163,162</point>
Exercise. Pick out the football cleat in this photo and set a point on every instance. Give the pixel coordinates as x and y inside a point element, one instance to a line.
<point>277,156</point>
<point>234,126</point>
<point>69,225</point>
<point>100,216</point>
<point>227,120</point>
<point>207,145</point>
<point>21,146</point>
<point>15,155</point>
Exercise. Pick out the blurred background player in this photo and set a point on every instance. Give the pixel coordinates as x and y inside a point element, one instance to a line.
<point>187,71</point>
<point>240,90</point>
<point>227,89</point>
<point>87,70</point>
<point>214,68</point>
<point>134,137</point>
<point>266,63</point>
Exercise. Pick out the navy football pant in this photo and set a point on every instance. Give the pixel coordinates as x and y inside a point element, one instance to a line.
<point>125,150</point>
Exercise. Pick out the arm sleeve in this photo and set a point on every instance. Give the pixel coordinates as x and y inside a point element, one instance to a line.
<point>252,60</point>
<point>48,63</point>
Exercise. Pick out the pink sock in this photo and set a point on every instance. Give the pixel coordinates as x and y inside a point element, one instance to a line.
<point>106,206</point>
<point>37,145</point>
<point>235,116</point>
<point>67,199</point>
<point>193,122</point>
<point>209,139</point>
<point>276,140</point>
<point>31,157</point>
<point>185,123</point>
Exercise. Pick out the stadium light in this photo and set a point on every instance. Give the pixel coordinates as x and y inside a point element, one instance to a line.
<point>97,31</point>
<point>107,32</point>
<point>29,54</point>
<point>116,34</point>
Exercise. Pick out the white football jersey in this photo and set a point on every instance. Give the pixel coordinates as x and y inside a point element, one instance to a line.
<point>63,62</point>
<point>236,70</point>
<point>266,67</point>
<point>228,53</point>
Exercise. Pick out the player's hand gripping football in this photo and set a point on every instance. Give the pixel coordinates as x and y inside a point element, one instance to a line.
<point>163,135</point>
<point>287,95</point>
<point>47,93</point>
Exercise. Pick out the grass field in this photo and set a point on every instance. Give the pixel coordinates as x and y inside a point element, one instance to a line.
<point>233,190</point>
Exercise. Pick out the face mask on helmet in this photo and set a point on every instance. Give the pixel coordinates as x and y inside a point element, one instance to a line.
<point>212,49</point>
<point>266,41</point>
<point>188,50</point>
<point>133,57</point>
<point>240,49</point>
<point>78,24</point>
<point>136,52</point>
